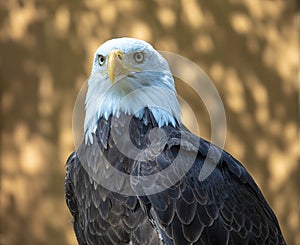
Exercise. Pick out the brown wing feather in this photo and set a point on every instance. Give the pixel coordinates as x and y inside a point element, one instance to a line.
<point>225,208</point>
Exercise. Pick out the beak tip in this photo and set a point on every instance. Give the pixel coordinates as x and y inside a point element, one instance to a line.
<point>114,64</point>
<point>111,78</point>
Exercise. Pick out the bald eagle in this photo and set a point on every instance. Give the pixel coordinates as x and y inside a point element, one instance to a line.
<point>132,132</point>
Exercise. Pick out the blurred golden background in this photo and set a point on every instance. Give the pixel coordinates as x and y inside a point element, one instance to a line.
<point>249,49</point>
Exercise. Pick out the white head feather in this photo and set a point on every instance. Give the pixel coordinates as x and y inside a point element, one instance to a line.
<point>149,84</point>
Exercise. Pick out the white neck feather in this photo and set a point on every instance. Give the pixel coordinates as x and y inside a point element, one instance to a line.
<point>129,97</point>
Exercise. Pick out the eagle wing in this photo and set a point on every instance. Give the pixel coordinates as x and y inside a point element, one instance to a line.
<point>101,216</point>
<point>225,208</point>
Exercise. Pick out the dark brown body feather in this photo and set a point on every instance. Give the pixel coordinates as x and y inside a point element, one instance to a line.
<point>225,208</point>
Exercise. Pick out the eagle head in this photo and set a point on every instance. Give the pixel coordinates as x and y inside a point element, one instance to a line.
<point>129,75</point>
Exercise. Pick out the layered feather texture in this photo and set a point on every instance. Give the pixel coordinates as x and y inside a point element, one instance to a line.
<point>225,208</point>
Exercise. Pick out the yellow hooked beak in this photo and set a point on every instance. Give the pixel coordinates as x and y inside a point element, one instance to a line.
<point>115,64</point>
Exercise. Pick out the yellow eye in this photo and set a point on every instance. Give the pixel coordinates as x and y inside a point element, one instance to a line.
<point>138,57</point>
<point>101,60</point>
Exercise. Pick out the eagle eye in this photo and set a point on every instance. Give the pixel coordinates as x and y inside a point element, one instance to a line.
<point>101,60</point>
<point>138,56</point>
